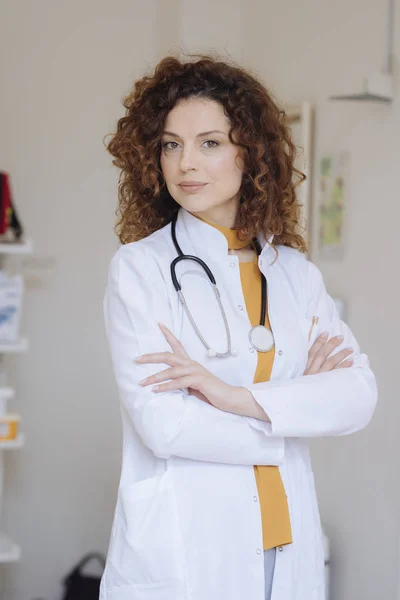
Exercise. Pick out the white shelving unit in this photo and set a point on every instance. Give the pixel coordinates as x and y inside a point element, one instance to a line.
<point>10,552</point>
<point>19,442</point>
<point>20,345</point>
<point>25,247</point>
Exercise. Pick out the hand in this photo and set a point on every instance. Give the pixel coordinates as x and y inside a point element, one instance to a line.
<point>187,373</point>
<point>318,361</point>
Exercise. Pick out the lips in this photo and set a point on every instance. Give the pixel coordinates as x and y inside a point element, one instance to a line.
<point>192,186</point>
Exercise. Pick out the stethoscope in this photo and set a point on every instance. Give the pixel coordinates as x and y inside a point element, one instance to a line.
<point>261,337</point>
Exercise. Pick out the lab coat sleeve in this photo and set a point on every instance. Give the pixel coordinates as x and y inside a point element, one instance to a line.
<point>337,402</point>
<point>170,423</point>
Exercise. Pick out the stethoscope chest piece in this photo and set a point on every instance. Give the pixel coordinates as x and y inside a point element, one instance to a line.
<point>261,338</point>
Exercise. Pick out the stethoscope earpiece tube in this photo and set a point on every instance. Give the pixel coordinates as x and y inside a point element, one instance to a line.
<point>260,337</point>
<point>195,259</point>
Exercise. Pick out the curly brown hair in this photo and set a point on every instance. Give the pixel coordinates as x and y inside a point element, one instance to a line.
<point>268,190</point>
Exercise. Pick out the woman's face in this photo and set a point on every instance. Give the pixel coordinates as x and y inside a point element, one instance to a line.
<point>195,147</point>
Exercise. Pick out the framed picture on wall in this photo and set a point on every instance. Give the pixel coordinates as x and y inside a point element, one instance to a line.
<point>300,118</point>
<point>333,189</point>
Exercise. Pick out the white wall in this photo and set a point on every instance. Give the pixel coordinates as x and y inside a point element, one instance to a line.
<point>209,26</point>
<point>64,68</point>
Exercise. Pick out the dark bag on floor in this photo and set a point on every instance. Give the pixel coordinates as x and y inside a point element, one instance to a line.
<point>83,587</point>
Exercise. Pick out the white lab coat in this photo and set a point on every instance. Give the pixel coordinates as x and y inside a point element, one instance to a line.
<point>187,522</point>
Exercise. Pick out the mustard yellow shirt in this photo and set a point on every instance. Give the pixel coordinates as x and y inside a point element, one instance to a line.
<point>272,496</point>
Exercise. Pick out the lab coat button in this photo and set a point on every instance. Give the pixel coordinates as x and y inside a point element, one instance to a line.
<point>251,349</point>
<point>280,548</point>
<point>280,352</point>
<point>233,264</point>
<point>255,498</point>
<point>240,307</point>
<point>258,551</point>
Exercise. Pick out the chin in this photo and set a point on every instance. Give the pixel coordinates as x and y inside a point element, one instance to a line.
<point>195,204</point>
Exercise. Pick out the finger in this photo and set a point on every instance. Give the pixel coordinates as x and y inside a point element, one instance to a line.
<point>172,373</point>
<point>345,364</point>
<point>175,344</point>
<point>332,362</point>
<point>324,352</point>
<point>319,342</point>
<point>176,384</point>
<point>317,345</point>
<point>161,357</point>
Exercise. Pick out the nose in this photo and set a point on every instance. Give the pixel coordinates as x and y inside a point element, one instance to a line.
<point>188,160</point>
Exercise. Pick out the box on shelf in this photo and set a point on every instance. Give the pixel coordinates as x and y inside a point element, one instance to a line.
<point>6,394</point>
<point>11,293</point>
<point>9,427</point>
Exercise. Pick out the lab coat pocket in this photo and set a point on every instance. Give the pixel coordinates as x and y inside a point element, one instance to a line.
<point>146,549</point>
<point>166,591</point>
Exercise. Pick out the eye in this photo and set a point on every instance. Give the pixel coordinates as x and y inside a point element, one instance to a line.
<point>166,145</point>
<point>212,142</point>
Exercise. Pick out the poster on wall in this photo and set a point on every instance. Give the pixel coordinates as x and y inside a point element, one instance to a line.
<point>333,188</point>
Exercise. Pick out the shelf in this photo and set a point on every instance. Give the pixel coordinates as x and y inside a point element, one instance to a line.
<point>9,551</point>
<point>19,442</point>
<point>6,393</point>
<point>25,247</point>
<point>20,345</point>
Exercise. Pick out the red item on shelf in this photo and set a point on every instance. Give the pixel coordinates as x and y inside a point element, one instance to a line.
<point>5,202</point>
<point>10,225</point>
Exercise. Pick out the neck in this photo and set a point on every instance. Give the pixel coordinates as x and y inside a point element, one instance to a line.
<point>224,215</point>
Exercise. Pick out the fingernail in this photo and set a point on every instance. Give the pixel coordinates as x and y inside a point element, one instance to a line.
<point>138,358</point>
<point>155,388</point>
<point>162,325</point>
<point>340,337</point>
<point>324,335</point>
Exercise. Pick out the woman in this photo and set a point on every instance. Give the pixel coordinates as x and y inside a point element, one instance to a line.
<point>216,474</point>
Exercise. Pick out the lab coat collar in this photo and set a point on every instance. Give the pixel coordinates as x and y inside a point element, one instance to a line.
<point>206,239</point>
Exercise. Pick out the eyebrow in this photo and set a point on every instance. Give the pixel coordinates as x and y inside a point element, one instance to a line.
<point>199,135</point>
